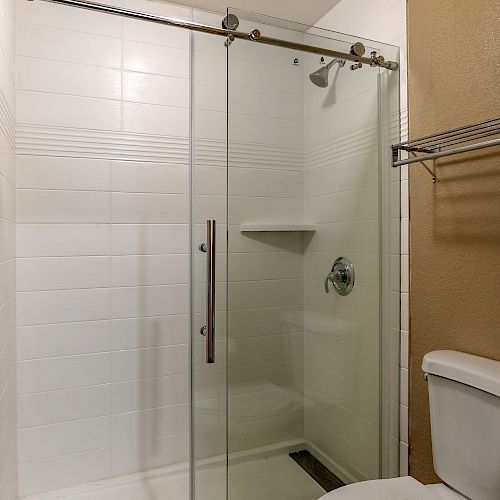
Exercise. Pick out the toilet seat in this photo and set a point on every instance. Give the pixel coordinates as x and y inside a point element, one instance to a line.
<point>400,488</point>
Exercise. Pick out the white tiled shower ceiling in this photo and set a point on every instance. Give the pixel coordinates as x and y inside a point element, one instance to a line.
<point>7,254</point>
<point>103,242</point>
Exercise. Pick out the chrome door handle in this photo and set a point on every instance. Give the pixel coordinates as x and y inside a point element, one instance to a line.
<point>210,325</point>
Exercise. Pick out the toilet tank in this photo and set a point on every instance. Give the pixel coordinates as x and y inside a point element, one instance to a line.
<point>464,397</point>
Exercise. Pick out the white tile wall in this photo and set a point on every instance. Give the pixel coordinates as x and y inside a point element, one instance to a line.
<point>102,237</point>
<point>342,333</point>
<point>390,28</point>
<point>103,224</point>
<point>266,287</point>
<point>265,274</point>
<point>7,254</point>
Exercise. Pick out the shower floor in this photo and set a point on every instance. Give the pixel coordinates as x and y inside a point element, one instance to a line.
<point>273,478</point>
<point>265,478</point>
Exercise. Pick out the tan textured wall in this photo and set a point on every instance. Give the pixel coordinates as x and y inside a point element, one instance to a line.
<point>454,79</point>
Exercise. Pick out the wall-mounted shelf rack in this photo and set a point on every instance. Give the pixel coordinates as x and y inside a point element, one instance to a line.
<point>450,142</point>
<point>259,228</point>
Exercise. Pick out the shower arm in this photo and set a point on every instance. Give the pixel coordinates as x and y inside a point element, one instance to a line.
<point>255,35</point>
<point>338,61</point>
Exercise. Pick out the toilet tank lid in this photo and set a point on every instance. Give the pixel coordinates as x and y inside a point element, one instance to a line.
<point>477,372</point>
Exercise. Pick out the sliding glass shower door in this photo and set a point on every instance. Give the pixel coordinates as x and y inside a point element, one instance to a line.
<point>289,163</point>
<point>209,261</point>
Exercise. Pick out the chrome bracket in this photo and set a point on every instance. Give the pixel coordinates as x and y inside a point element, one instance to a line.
<point>230,23</point>
<point>376,60</point>
<point>254,35</point>
<point>395,157</point>
<point>433,175</point>
<point>229,40</point>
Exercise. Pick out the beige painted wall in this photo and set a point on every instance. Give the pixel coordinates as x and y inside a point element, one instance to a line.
<point>454,79</point>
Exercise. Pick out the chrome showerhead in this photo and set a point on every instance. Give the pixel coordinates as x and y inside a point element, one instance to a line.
<point>320,77</point>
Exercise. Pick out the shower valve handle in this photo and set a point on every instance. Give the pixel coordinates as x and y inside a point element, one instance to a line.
<point>338,276</point>
<point>341,276</point>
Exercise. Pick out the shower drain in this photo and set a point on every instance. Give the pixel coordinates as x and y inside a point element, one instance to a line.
<point>322,475</point>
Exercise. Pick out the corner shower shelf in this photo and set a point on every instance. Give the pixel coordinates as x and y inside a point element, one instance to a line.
<point>436,146</point>
<point>260,228</point>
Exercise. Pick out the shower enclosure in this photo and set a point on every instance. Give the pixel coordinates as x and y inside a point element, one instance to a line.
<point>208,249</point>
<point>289,163</point>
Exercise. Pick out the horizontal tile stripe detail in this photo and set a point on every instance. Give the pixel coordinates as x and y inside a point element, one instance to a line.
<point>84,143</point>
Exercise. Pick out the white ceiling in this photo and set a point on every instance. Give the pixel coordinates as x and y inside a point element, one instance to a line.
<point>302,11</point>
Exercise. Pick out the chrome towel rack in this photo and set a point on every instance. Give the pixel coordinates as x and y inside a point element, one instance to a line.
<point>447,143</point>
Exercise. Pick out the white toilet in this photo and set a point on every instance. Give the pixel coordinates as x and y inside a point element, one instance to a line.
<point>464,397</point>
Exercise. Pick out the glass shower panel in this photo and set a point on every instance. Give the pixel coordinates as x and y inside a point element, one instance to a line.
<point>304,188</point>
<point>103,268</point>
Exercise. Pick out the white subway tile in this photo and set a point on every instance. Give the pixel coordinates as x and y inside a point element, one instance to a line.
<point>63,206</point>
<point>45,172</point>
<point>60,240</point>
<point>63,273</point>
<point>150,239</point>
<point>43,75</point>
<point>155,89</point>
<point>37,443</point>
<point>150,270</point>
<point>150,208</point>
<point>46,43</point>
<point>256,210</point>
<point>154,119</point>
<point>136,333</point>
<point>405,312</point>
<point>257,294</point>
<point>404,387</point>
<point>152,362</point>
<point>60,406</point>
<point>404,199</point>
<point>404,236</point>
<point>155,59</point>
<point>58,110</point>
<point>39,375</point>
<point>265,266</point>
<point>131,302</point>
<point>160,178</point>
<point>265,182</point>
<point>150,424</point>
<point>54,473</point>
<point>150,393</point>
<point>404,349</point>
<point>405,273</point>
<point>59,306</point>
<point>64,339</point>
<point>352,205</point>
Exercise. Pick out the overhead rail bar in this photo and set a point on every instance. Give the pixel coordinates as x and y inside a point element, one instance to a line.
<point>255,35</point>
<point>439,145</point>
